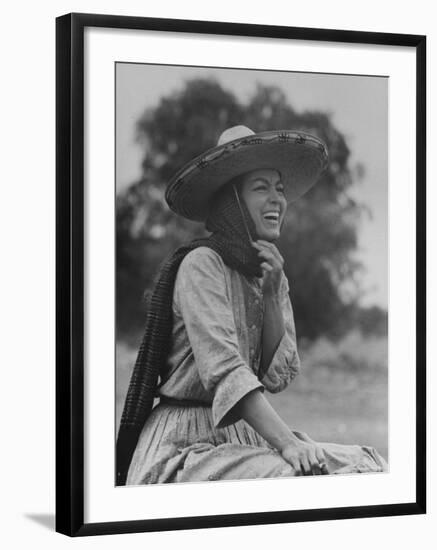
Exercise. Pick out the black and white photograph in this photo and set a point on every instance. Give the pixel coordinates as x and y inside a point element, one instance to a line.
<point>251,242</point>
<point>217,262</point>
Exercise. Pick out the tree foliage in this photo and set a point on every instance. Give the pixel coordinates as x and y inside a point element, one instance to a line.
<point>320,235</point>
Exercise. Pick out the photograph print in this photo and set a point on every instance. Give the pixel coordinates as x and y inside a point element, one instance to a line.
<point>251,274</point>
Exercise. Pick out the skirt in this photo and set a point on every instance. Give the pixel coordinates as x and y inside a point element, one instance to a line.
<point>181,444</point>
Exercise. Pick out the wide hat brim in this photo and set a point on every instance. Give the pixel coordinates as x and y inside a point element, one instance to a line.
<point>299,157</point>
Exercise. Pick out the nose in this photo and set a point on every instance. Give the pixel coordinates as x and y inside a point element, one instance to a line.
<point>274,195</point>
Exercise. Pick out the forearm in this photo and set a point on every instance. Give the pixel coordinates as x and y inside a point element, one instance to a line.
<point>273,329</point>
<point>303,455</point>
<point>260,415</point>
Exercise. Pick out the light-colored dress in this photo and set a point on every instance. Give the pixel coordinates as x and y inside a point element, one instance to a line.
<point>214,361</point>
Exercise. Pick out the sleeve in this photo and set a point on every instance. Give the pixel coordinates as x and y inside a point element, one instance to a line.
<point>285,363</point>
<point>206,310</point>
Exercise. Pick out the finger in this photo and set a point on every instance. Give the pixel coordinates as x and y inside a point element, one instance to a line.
<point>261,245</point>
<point>305,465</point>
<point>271,258</point>
<point>272,248</point>
<point>271,253</point>
<point>320,455</point>
<point>266,253</point>
<point>294,463</point>
<point>266,266</point>
<point>267,244</point>
<point>296,466</point>
<point>314,463</point>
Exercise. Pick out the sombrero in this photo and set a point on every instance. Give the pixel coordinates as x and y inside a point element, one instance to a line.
<point>299,157</point>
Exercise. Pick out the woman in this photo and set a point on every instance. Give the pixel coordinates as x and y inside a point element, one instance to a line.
<point>220,328</point>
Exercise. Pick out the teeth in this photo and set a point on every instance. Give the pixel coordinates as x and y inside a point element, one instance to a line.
<point>272,216</point>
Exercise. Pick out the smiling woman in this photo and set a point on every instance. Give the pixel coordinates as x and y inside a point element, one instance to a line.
<point>220,328</point>
<point>263,193</point>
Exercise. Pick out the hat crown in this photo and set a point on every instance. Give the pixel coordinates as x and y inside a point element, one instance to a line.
<point>235,132</point>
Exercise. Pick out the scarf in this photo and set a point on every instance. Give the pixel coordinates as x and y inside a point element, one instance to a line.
<point>230,224</point>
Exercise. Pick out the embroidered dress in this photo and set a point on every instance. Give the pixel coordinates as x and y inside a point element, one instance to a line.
<point>193,434</point>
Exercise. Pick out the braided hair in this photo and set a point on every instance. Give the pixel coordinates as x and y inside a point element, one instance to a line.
<point>230,225</point>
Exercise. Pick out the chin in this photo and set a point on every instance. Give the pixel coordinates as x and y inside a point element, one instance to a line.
<point>269,236</point>
<point>266,233</point>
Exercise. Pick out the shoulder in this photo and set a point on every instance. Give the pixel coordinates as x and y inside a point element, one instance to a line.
<point>201,272</point>
<point>201,266</point>
<point>201,259</point>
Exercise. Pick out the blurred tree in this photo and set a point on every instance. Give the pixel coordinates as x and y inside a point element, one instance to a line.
<point>321,228</point>
<point>371,320</point>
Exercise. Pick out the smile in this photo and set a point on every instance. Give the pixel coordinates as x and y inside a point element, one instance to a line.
<point>272,217</point>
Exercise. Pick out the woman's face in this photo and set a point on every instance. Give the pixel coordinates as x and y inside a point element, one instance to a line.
<point>263,194</point>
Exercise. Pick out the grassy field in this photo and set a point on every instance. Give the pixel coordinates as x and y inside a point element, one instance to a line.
<point>340,396</point>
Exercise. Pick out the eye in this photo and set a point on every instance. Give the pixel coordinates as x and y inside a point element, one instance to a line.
<point>259,186</point>
<point>280,189</point>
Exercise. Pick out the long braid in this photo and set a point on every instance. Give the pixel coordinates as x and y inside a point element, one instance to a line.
<point>230,239</point>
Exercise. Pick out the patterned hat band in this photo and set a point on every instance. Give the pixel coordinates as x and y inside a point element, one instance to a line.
<point>300,158</point>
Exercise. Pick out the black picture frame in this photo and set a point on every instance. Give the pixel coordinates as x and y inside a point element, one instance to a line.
<point>70,273</point>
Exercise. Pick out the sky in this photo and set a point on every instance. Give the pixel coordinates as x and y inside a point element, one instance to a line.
<point>359,109</point>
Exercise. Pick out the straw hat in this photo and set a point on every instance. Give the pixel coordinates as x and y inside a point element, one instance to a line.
<point>299,157</point>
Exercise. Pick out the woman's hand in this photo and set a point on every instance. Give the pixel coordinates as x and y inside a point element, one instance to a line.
<point>272,266</point>
<point>306,458</point>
